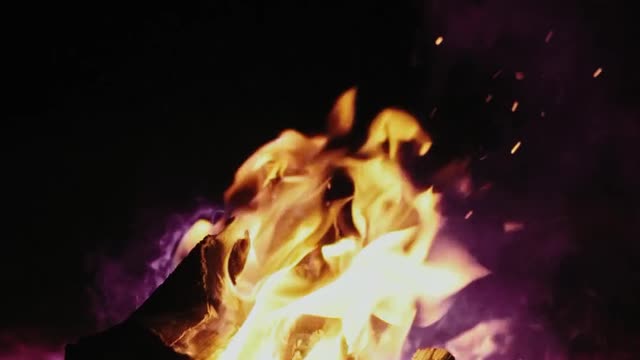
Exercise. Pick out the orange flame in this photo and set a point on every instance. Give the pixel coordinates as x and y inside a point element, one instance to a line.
<point>335,279</point>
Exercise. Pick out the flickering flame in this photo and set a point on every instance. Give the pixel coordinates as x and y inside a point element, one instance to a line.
<point>191,237</point>
<point>337,278</point>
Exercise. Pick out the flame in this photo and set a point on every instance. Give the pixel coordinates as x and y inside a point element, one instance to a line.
<point>335,278</point>
<point>198,230</point>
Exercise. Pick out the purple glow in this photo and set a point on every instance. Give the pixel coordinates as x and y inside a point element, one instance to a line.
<point>119,290</point>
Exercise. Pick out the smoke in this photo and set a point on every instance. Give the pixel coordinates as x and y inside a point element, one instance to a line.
<point>17,347</point>
<point>568,187</point>
<point>24,352</point>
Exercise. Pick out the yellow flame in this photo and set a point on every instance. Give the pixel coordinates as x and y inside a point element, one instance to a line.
<point>192,236</point>
<point>343,114</point>
<point>341,278</point>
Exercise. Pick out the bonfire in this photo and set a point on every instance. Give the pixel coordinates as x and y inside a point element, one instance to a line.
<point>324,254</point>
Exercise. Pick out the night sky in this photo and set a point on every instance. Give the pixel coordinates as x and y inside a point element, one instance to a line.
<point>121,114</point>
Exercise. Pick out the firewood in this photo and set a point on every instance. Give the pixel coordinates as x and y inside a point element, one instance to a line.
<point>123,342</point>
<point>183,301</point>
<point>432,354</point>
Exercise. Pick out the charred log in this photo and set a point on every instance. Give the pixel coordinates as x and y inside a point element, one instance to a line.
<point>124,341</point>
<point>184,300</point>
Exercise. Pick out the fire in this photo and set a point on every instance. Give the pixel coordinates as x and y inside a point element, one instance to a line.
<point>334,277</point>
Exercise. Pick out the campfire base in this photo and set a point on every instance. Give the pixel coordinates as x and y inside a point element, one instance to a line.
<point>129,342</point>
<point>180,303</point>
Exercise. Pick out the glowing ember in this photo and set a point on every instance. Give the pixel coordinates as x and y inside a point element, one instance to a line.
<point>339,277</point>
<point>514,106</point>
<point>512,226</point>
<point>519,75</point>
<point>597,72</point>
<point>488,98</point>
<point>547,38</point>
<point>468,215</point>
<point>515,147</point>
<point>439,40</point>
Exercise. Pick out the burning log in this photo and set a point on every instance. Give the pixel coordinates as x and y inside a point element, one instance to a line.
<point>432,354</point>
<point>123,341</point>
<point>187,298</point>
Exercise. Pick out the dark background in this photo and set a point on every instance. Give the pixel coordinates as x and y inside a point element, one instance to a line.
<point>121,113</point>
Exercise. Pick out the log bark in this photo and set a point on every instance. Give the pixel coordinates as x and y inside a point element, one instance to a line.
<point>432,354</point>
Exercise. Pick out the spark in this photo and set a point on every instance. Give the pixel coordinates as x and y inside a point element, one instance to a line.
<point>542,114</point>
<point>519,75</point>
<point>439,40</point>
<point>433,112</point>
<point>547,39</point>
<point>597,72</point>
<point>486,187</point>
<point>488,98</point>
<point>468,215</point>
<point>514,106</point>
<point>512,226</point>
<point>496,74</point>
<point>515,147</point>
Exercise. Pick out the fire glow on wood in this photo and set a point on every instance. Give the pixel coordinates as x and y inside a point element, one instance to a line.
<point>301,269</point>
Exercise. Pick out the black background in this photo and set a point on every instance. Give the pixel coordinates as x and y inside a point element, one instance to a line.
<point>121,113</point>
